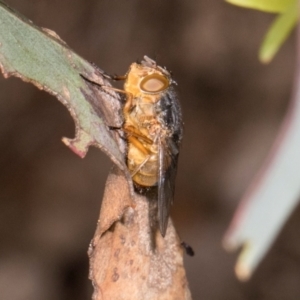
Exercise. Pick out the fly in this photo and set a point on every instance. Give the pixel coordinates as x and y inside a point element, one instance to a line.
<point>153,128</point>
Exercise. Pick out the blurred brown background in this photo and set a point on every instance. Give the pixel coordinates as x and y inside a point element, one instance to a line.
<point>233,106</point>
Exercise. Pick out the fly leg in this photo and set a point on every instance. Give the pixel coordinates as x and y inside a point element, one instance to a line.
<point>137,144</point>
<point>129,96</point>
<point>119,130</point>
<point>139,167</point>
<point>114,77</point>
<point>134,141</point>
<point>134,132</point>
<point>136,137</point>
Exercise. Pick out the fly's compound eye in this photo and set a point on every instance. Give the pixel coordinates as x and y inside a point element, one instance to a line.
<point>154,83</point>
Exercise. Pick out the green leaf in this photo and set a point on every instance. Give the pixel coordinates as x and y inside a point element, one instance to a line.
<point>40,57</point>
<point>278,33</point>
<point>272,6</point>
<point>272,196</point>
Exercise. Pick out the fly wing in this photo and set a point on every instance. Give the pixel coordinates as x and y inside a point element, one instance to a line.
<point>168,157</point>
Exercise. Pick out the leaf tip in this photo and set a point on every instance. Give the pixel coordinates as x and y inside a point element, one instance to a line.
<point>264,57</point>
<point>246,261</point>
<point>242,271</point>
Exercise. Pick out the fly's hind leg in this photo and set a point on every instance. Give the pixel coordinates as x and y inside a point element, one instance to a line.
<point>134,137</point>
<point>139,167</point>
<point>137,144</point>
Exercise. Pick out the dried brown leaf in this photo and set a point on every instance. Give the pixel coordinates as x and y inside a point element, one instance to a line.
<point>129,260</point>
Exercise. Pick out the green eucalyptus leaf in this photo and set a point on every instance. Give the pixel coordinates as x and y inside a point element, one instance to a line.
<point>39,56</point>
<point>273,194</point>
<point>278,33</point>
<point>272,6</point>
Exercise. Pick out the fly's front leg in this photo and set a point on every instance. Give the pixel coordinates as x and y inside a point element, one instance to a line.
<point>129,96</point>
<point>114,77</point>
